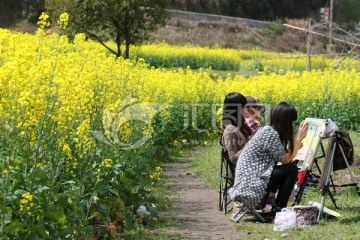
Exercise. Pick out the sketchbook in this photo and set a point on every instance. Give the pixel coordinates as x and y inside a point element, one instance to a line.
<point>325,210</point>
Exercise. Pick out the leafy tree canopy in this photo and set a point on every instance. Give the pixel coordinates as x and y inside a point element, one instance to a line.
<point>128,21</point>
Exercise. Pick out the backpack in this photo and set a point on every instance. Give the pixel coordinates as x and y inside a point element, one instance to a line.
<point>348,148</point>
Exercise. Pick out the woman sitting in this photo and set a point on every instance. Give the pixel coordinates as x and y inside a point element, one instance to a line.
<point>257,171</point>
<point>235,132</point>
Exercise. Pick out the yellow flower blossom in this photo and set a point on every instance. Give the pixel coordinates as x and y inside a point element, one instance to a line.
<point>43,21</point>
<point>26,202</point>
<point>63,21</point>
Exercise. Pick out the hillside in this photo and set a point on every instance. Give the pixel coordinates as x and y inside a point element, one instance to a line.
<point>180,31</point>
<point>276,37</point>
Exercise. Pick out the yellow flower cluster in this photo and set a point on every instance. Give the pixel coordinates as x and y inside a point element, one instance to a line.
<point>26,202</point>
<point>53,89</point>
<point>12,164</point>
<point>107,163</point>
<point>166,55</point>
<point>63,21</point>
<point>104,167</point>
<point>43,21</point>
<point>155,176</point>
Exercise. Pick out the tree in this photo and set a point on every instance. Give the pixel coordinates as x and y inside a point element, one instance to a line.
<point>271,9</point>
<point>56,7</point>
<point>128,21</point>
<point>32,9</point>
<point>17,10</point>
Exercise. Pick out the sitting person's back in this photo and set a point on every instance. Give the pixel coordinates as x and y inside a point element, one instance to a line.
<point>256,172</point>
<point>254,168</point>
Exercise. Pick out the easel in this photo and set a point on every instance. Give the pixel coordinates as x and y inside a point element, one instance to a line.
<point>307,154</point>
<point>300,192</point>
<point>333,144</point>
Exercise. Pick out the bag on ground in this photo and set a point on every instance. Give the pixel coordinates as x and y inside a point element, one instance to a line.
<point>285,220</point>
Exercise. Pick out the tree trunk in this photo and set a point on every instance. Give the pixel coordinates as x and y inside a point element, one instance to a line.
<point>127,50</point>
<point>118,44</point>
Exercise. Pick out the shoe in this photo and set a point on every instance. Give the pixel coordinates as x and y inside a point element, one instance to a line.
<point>266,209</point>
<point>237,206</point>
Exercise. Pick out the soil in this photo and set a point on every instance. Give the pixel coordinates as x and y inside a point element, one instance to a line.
<point>197,205</point>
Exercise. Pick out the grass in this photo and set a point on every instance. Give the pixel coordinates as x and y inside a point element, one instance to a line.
<point>345,227</point>
<point>355,138</point>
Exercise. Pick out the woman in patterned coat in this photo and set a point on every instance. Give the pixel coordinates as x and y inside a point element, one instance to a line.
<point>257,171</point>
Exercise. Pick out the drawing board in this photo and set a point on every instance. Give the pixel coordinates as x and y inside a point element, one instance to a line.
<point>306,153</point>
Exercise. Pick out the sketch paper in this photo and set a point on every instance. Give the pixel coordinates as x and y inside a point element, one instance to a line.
<point>311,142</point>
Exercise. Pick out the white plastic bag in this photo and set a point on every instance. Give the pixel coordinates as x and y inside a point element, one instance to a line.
<point>330,128</point>
<point>285,220</point>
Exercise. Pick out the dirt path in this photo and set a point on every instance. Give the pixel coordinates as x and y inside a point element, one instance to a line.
<point>197,206</point>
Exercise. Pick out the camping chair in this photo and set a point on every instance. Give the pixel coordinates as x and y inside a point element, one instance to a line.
<point>227,171</point>
<point>238,215</point>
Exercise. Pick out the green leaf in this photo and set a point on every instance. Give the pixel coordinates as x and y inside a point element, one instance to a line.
<point>94,214</point>
<point>19,192</point>
<point>102,188</point>
<point>14,227</point>
<point>69,182</point>
<point>42,189</point>
<point>7,219</point>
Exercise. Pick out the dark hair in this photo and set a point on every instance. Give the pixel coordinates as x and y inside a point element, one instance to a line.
<point>232,112</point>
<point>281,119</point>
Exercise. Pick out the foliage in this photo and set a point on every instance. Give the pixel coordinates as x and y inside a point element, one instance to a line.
<point>69,116</point>
<point>275,28</point>
<point>32,9</point>
<point>270,9</point>
<point>15,10</point>
<point>55,7</point>
<point>207,6</point>
<point>118,20</point>
<point>347,11</point>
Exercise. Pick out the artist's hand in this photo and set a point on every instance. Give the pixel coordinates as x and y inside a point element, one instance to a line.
<point>302,130</point>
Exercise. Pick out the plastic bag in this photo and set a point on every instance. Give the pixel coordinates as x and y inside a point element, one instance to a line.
<point>330,128</point>
<point>285,220</point>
